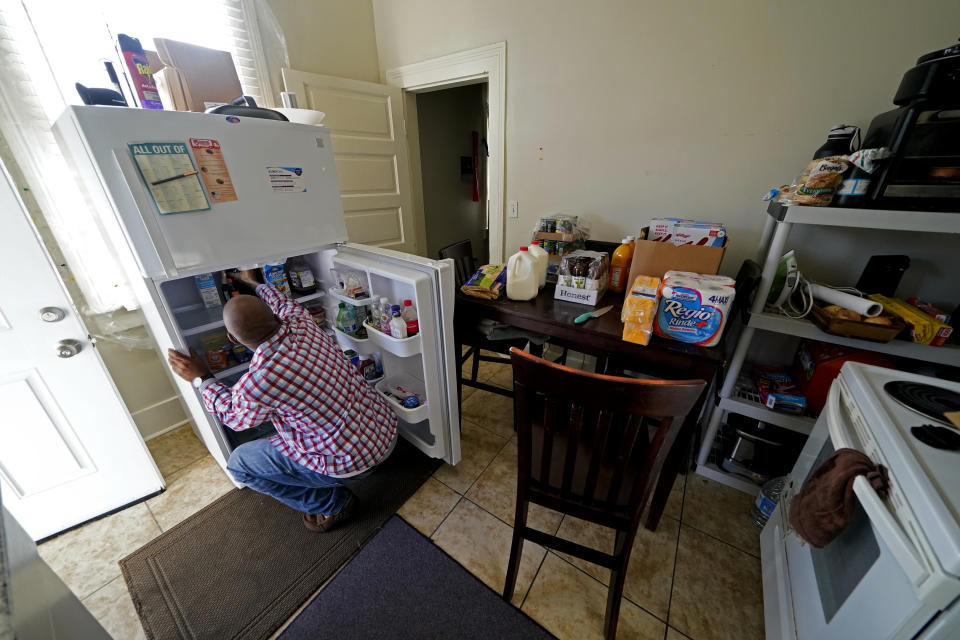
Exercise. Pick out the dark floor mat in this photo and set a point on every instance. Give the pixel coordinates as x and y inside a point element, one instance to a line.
<point>401,585</point>
<point>240,567</point>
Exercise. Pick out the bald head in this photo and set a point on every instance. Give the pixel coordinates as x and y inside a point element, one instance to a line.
<point>249,320</point>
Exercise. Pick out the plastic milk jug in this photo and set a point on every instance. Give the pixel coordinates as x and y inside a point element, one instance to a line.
<point>522,276</point>
<point>540,256</point>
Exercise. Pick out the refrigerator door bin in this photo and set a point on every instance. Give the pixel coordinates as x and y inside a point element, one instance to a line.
<point>363,346</point>
<point>393,386</point>
<point>402,347</point>
<point>338,294</point>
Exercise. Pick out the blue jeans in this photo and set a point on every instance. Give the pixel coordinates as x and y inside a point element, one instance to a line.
<point>260,466</point>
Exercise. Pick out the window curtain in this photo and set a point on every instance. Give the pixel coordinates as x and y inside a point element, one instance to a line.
<point>48,46</point>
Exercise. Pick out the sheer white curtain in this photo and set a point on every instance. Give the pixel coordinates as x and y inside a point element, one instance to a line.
<point>46,46</point>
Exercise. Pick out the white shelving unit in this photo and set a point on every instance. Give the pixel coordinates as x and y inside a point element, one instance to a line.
<point>781,218</point>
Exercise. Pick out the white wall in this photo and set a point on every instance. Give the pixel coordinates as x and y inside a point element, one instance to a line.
<point>446,119</point>
<point>671,108</point>
<point>332,37</point>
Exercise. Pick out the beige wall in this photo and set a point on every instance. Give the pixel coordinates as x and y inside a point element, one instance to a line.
<point>445,121</point>
<point>332,37</point>
<point>671,108</point>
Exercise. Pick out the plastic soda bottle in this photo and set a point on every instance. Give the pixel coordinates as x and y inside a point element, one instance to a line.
<point>410,318</point>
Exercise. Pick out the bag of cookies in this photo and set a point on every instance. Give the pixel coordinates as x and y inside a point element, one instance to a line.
<point>821,178</point>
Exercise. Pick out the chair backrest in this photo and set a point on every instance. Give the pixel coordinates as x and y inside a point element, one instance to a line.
<point>462,255</point>
<point>585,441</point>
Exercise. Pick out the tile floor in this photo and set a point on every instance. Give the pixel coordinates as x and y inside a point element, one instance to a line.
<point>697,577</point>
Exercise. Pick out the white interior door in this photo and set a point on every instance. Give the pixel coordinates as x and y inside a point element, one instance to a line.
<point>69,450</point>
<point>370,151</point>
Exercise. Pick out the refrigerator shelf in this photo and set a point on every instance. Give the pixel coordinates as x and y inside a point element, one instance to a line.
<point>402,347</point>
<point>363,346</point>
<point>234,370</point>
<point>195,319</point>
<point>198,319</point>
<point>414,415</point>
<point>337,293</point>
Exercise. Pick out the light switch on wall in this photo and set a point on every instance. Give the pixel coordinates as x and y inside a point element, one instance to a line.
<point>513,210</point>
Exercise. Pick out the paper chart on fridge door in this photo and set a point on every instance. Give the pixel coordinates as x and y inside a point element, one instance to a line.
<point>170,175</point>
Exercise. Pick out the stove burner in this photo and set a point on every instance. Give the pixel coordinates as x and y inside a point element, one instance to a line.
<point>925,399</point>
<point>937,437</point>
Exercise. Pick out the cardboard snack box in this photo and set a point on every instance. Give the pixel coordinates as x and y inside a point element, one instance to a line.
<point>652,258</point>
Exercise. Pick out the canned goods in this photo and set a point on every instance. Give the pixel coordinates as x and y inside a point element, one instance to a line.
<point>563,248</point>
<point>547,225</point>
<point>550,246</point>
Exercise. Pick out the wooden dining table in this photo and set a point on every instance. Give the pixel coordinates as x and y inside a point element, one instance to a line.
<point>603,337</point>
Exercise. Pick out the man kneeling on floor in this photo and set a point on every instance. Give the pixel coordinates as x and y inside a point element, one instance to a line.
<point>333,428</point>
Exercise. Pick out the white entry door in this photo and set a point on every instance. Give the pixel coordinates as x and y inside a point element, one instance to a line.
<point>69,450</point>
<point>370,151</point>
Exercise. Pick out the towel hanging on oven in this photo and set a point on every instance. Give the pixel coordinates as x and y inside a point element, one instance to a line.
<point>826,502</point>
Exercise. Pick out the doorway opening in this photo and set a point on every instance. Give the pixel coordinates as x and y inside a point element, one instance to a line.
<point>452,126</point>
<point>485,66</point>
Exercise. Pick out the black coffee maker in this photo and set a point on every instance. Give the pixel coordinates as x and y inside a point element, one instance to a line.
<point>923,172</point>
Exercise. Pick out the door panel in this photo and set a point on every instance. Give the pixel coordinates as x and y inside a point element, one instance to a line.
<point>370,151</point>
<point>69,450</point>
<point>49,431</point>
<point>440,435</point>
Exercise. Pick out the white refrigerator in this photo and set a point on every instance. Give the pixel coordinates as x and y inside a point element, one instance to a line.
<point>287,204</point>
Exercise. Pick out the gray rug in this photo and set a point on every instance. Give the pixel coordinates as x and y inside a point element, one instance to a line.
<point>240,567</point>
<point>401,585</point>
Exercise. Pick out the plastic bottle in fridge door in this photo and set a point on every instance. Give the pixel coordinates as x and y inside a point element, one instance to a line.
<point>522,276</point>
<point>410,318</point>
<point>398,328</point>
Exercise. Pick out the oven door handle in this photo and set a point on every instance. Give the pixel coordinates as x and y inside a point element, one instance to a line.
<point>881,518</point>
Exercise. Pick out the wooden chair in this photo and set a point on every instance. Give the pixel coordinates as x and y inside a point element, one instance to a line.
<point>584,450</point>
<point>464,266</point>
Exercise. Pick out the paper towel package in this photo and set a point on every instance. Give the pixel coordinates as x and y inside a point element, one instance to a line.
<point>693,311</point>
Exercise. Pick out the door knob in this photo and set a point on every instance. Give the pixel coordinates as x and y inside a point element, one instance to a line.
<point>69,348</point>
<point>52,314</point>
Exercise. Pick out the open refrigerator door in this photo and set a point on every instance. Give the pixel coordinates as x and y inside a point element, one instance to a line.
<point>421,365</point>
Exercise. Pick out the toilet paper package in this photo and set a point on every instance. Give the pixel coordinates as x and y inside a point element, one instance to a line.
<point>714,279</point>
<point>693,311</point>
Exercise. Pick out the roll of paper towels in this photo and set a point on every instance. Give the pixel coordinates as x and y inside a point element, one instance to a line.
<point>862,306</point>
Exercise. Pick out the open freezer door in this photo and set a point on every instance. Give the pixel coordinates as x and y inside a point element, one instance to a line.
<point>279,195</point>
<point>427,360</point>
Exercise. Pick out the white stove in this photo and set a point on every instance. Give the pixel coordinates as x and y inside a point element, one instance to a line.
<point>895,571</point>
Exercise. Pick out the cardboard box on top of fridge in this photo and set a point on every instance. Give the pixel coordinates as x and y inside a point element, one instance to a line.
<point>196,77</point>
<point>651,258</point>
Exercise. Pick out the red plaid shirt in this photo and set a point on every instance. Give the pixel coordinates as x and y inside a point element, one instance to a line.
<point>328,418</point>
